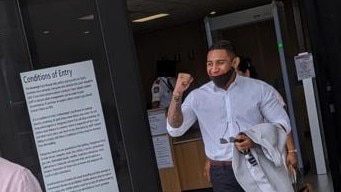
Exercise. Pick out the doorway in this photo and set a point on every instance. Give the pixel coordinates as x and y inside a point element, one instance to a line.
<point>260,33</point>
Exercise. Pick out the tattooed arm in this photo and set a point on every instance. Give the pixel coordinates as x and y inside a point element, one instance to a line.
<point>175,117</point>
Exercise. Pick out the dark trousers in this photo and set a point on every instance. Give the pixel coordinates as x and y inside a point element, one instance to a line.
<point>223,179</point>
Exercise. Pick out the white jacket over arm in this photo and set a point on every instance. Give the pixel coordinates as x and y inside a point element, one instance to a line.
<point>270,173</point>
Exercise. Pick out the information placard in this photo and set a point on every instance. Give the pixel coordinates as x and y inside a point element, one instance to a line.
<point>69,128</point>
<point>304,66</point>
<point>163,151</point>
<point>157,121</point>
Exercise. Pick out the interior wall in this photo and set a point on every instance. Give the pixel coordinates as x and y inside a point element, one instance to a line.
<point>258,41</point>
<point>185,43</point>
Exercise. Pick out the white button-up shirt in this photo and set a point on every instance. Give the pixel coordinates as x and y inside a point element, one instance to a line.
<point>224,113</point>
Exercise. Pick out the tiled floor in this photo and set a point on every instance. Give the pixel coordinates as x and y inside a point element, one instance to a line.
<point>319,183</point>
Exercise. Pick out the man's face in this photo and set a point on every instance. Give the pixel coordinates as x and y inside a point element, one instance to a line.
<point>219,62</point>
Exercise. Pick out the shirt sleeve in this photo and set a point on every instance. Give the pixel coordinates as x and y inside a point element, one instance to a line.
<point>273,110</point>
<point>189,118</point>
<point>279,97</point>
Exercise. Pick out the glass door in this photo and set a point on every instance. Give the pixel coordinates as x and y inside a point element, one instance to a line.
<point>41,40</point>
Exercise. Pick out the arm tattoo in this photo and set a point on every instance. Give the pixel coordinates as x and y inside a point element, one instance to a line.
<point>175,117</point>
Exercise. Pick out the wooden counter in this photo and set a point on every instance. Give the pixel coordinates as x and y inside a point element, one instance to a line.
<point>190,157</point>
<point>169,177</point>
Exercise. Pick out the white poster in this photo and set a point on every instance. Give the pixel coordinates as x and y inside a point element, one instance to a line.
<point>304,66</point>
<point>163,151</point>
<point>69,128</point>
<point>157,121</point>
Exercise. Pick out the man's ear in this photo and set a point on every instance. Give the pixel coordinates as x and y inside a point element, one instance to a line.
<point>235,63</point>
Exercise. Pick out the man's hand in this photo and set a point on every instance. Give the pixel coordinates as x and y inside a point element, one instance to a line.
<point>291,155</point>
<point>292,159</point>
<point>183,81</point>
<point>245,143</point>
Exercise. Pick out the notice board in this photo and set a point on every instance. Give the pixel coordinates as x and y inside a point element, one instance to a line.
<point>69,128</point>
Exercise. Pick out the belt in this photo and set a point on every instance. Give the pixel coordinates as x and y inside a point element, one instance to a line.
<point>220,163</point>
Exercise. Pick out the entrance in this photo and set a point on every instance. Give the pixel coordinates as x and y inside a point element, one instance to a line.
<point>260,33</point>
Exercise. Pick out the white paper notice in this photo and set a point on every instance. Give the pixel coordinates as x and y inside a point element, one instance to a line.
<point>69,128</point>
<point>157,121</point>
<point>304,66</point>
<point>162,151</point>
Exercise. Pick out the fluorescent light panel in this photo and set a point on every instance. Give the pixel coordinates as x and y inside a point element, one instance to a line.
<point>152,17</point>
<point>87,17</point>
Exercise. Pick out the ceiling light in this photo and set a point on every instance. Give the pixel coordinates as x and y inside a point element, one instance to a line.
<point>46,32</point>
<point>152,17</point>
<point>213,13</point>
<point>87,17</point>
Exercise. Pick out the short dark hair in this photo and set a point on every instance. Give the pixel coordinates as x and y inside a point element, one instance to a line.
<point>246,64</point>
<point>224,44</point>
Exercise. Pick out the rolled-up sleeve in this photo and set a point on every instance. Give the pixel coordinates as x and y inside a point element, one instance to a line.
<point>189,119</point>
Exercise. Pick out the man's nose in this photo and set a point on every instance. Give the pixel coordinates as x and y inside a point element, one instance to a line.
<point>215,69</point>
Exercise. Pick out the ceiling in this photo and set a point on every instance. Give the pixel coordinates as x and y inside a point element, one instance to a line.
<point>63,14</point>
<point>183,11</point>
<point>55,27</point>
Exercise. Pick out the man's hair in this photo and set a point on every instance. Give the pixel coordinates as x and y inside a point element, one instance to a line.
<point>224,44</point>
<point>246,64</point>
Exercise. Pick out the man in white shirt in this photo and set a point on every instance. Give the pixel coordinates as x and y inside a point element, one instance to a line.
<point>224,107</point>
<point>15,178</point>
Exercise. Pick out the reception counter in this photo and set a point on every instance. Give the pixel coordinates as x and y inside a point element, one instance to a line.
<point>189,158</point>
